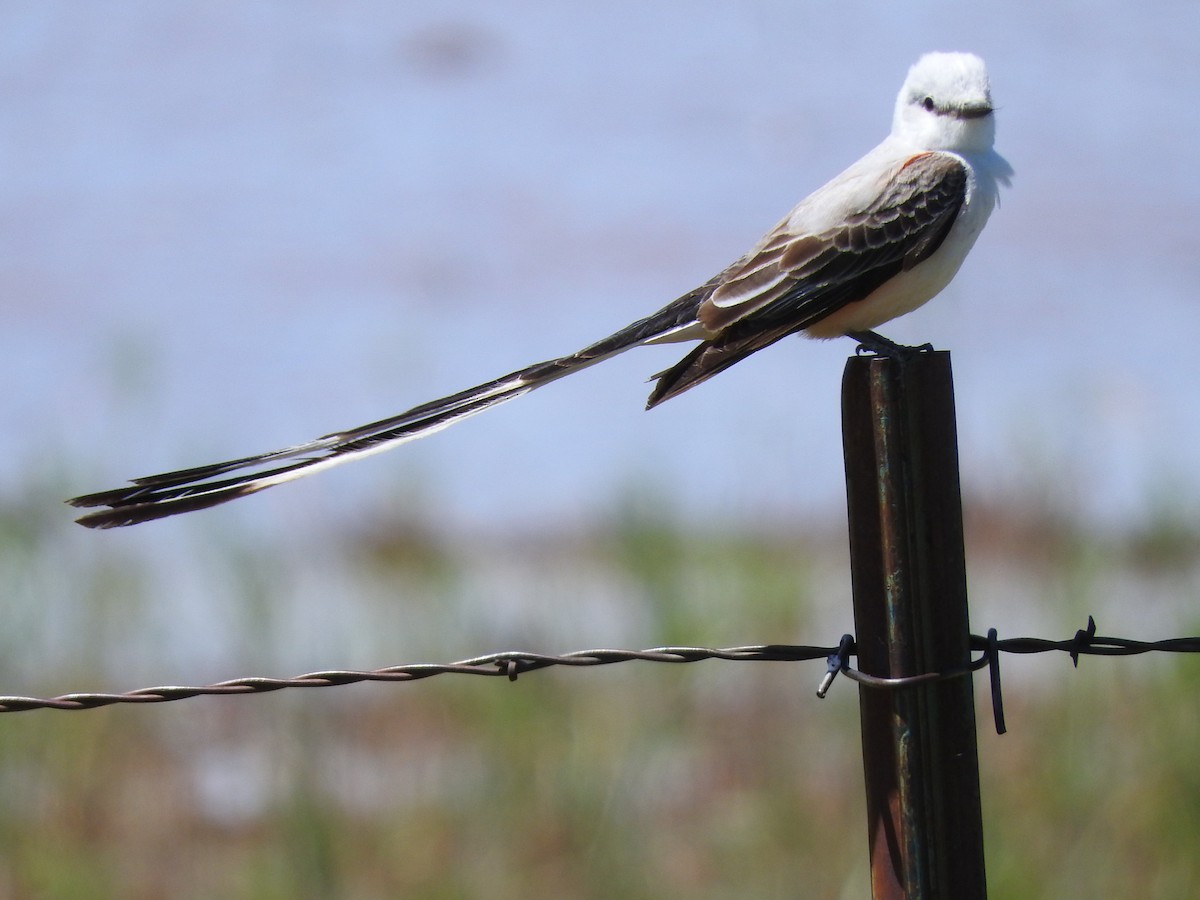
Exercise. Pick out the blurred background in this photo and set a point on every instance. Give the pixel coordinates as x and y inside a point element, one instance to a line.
<point>230,227</point>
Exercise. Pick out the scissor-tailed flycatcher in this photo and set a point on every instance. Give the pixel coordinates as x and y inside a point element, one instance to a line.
<point>874,243</point>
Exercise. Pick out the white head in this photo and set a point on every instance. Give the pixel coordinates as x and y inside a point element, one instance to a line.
<point>946,104</point>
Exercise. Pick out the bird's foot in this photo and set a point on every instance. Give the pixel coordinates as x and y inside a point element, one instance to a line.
<point>870,342</point>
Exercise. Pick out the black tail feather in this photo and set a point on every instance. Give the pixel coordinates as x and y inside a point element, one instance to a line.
<point>710,358</point>
<point>158,496</point>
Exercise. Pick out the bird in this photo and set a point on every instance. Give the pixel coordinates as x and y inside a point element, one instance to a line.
<point>874,243</point>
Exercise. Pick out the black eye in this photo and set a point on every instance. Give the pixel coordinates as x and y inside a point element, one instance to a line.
<point>928,104</point>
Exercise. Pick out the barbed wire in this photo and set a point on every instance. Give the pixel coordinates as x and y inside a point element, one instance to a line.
<point>512,663</point>
<point>508,664</point>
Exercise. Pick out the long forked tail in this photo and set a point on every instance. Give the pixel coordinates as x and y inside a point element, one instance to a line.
<point>158,496</point>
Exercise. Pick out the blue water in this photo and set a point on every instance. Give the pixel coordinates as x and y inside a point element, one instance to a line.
<point>229,227</point>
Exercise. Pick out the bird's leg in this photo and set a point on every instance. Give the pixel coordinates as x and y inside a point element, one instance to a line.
<point>870,342</point>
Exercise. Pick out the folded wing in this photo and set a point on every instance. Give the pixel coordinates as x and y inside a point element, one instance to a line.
<point>793,278</point>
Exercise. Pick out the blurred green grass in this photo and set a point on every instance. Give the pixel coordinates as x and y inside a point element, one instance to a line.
<point>639,780</point>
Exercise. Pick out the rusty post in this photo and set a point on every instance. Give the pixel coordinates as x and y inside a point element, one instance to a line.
<point>910,613</point>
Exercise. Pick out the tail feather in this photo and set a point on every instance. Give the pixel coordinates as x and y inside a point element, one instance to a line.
<point>163,495</point>
<point>158,496</point>
<point>132,506</point>
<point>710,358</point>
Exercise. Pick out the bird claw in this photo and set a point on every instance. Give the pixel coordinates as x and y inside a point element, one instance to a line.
<point>870,342</point>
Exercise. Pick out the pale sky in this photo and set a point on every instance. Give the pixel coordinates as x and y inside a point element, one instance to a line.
<point>232,227</point>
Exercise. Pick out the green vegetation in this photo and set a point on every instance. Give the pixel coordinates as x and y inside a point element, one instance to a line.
<point>635,781</point>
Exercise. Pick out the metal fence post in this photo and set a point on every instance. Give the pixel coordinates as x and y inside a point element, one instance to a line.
<point>910,613</point>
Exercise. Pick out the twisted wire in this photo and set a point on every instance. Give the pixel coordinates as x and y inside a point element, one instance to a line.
<point>513,663</point>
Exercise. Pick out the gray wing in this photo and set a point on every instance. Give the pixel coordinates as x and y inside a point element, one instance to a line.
<point>793,280</point>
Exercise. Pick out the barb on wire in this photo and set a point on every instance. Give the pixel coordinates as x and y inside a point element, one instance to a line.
<point>510,664</point>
